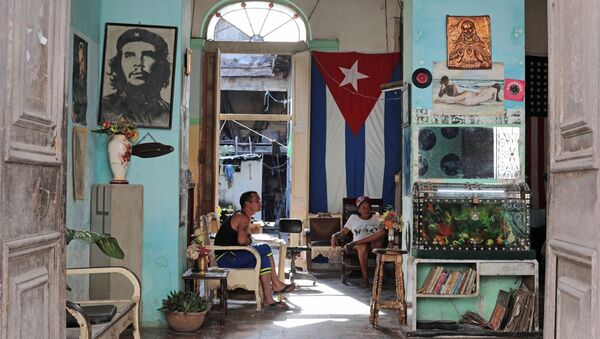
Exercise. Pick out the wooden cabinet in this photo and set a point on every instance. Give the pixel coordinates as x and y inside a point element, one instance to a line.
<point>491,276</point>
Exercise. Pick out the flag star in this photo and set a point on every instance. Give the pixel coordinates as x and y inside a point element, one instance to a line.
<point>351,76</point>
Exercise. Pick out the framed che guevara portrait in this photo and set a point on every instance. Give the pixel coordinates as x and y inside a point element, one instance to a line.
<point>137,74</point>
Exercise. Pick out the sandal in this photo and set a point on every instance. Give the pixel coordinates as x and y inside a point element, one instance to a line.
<point>276,306</point>
<point>286,288</point>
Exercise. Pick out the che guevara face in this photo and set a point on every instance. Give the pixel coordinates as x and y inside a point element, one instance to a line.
<point>137,60</point>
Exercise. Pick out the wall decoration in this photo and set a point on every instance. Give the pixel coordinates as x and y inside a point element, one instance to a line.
<point>509,116</point>
<point>188,62</point>
<point>514,89</point>
<point>423,166</point>
<point>138,73</point>
<point>421,78</point>
<point>451,165</point>
<point>80,137</point>
<point>406,106</point>
<point>80,61</point>
<point>536,75</point>
<point>427,139</point>
<point>469,42</point>
<point>450,132</point>
<point>461,92</point>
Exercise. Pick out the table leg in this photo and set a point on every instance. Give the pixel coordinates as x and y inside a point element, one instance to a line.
<point>400,290</point>
<point>374,314</point>
<point>282,255</point>
<point>223,301</point>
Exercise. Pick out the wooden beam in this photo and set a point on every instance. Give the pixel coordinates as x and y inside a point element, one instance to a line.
<point>255,117</point>
<point>254,84</point>
<point>256,48</point>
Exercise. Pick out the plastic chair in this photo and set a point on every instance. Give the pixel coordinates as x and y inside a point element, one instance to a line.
<point>288,225</point>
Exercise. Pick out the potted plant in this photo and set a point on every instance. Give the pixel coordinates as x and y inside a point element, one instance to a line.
<point>185,311</point>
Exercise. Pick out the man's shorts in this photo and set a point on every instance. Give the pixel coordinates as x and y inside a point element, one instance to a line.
<point>245,259</point>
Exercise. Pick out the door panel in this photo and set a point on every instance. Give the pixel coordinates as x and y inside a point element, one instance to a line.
<point>571,297</point>
<point>33,57</point>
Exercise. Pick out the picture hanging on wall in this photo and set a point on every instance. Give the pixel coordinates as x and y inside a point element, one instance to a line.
<point>137,74</point>
<point>468,92</point>
<point>468,40</point>
<point>80,136</point>
<point>80,61</point>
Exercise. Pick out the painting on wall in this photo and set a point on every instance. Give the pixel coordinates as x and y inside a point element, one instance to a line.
<point>137,74</point>
<point>80,61</point>
<point>80,137</point>
<point>468,92</point>
<point>468,40</point>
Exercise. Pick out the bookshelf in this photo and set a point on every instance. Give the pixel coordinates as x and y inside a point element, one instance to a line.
<point>490,276</point>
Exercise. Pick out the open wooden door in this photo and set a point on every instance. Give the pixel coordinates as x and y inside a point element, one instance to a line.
<point>33,56</point>
<point>572,297</point>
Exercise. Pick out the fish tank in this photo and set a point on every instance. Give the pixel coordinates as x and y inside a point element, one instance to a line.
<point>472,220</point>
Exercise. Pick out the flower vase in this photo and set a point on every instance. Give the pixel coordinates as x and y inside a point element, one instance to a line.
<point>119,154</point>
<point>391,238</point>
<point>202,264</point>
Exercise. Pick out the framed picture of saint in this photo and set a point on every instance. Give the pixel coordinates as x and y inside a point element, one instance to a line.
<point>468,41</point>
<point>137,74</point>
<point>80,61</point>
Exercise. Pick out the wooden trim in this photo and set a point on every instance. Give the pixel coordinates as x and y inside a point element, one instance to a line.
<point>255,117</point>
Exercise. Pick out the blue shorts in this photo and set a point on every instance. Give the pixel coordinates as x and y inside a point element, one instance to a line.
<point>245,259</point>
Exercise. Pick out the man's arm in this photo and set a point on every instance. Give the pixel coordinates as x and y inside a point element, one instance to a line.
<point>339,234</point>
<point>240,223</point>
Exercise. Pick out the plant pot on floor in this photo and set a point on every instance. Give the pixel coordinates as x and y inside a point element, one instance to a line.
<point>185,322</point>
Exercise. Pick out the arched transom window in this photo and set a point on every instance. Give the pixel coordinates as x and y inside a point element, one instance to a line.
<point>256,21</point>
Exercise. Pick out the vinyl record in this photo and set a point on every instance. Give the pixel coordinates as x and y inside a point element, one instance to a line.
<point>421,78</point>
<point>451,165</point>
<point>427,139</point>
<point>423,166</point>
<point>450,132</point>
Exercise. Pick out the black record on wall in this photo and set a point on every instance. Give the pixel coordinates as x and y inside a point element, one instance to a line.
<point>427,139</point>
<point>450,132</point>
<point>451,165</point>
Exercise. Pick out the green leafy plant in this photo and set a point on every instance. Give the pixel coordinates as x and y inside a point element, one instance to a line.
<point>184,302</point>
<point>107,244</point>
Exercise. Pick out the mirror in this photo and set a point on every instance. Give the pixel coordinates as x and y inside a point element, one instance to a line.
<point>469,152</point>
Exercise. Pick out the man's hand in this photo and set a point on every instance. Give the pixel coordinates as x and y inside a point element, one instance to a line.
<point>334,240</point>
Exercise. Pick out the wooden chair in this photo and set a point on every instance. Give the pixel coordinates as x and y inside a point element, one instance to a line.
<point>245,278</point>
<point>350,259</point>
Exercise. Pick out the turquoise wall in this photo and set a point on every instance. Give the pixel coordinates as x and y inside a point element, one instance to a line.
<point>424,44</point>
<point>85,22</point>
<point>161,263</point>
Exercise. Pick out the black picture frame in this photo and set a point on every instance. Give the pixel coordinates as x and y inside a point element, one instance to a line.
<point>406,106</point>
<point>142,93</point>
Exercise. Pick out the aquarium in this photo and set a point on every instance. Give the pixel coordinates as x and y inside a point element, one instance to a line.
<point>471,217</point>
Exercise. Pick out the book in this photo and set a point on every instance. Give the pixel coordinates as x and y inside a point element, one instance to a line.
<point>440,282</point>
<point>500,309</point>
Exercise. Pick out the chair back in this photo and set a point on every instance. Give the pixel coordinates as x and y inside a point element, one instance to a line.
<point>349,207</point>
<point>290,225</point>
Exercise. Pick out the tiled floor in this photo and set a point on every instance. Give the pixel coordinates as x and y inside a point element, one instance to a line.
<point>328,310</point>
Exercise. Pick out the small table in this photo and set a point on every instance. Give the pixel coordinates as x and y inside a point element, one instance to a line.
<point>191,280</point>
<point>388,255</point>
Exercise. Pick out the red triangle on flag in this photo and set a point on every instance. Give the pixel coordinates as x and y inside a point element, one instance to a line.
<point>343,71</point>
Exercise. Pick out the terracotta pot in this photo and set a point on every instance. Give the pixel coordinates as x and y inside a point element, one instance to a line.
<point>185,322</point>
<point>119,153</point>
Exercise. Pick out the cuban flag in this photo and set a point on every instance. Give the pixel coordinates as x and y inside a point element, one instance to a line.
<point>355,128</point>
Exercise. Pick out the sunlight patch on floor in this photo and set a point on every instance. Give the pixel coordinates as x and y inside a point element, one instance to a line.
<point>291,323</point>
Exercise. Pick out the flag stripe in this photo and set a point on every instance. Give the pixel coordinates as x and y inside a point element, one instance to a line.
<point>318,126</point>
<point>334,147</point>
<point>375,149</point>
<point>393,141</point>
<point>355,162</point>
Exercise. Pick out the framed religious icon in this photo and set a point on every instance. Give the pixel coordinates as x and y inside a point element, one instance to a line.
<point>468,40</point>
<point>137,74</point>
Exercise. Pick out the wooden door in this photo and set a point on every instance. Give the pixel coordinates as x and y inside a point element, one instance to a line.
<point>572,296</point>
<point>33,56</point>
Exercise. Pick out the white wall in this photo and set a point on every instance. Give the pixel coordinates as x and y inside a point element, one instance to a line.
<point>358,25</point>
<point>249,178</point>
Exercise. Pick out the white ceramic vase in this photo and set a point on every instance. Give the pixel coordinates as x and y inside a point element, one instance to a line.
<point>119,154</point>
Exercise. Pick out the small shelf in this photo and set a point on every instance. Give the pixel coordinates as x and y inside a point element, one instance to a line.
<point>472,295</point>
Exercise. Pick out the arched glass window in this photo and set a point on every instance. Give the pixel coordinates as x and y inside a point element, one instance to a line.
<point>256,21</point>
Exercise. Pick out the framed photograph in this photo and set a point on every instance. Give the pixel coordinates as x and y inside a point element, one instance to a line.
<point>137,74</point>
<point>80,61</point>
<point>406,106</point>
<point>468,40</point>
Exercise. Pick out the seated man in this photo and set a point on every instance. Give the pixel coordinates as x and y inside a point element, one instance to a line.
<point>235,232</point>
<point>366,232</point>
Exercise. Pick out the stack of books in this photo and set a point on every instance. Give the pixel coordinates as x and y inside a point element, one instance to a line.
<point>447,282</point>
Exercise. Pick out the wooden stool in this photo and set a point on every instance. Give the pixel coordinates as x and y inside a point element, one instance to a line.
<point>383,256</point>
